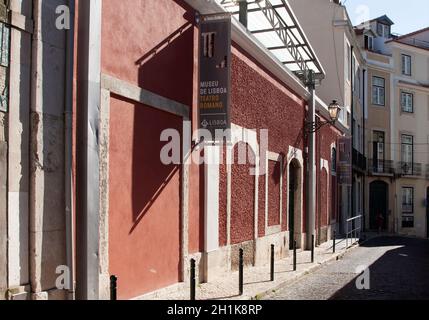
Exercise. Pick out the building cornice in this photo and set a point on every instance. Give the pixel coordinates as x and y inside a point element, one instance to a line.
<point>414,86</point>
<point>410,47</point>
<point>379,66</point>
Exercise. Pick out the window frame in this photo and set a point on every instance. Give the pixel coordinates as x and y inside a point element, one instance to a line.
<point>412,151</point>
<point>358,84</point>
<point>369,42</point>
<point>379,164</point>
<point>348,62</point>
<point>379,87</point>
<point>404,64</point>
<point>408,215</point>
<point>406,93</point>
<point>334,160</point>
<point>384,29</point>
<point>5,46</point>
<point>411,204</point>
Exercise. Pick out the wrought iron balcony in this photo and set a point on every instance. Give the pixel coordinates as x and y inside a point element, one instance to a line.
<point>399,169</point>
<point>409,169</point>
<point>359,160</point>
<point>381,167</point>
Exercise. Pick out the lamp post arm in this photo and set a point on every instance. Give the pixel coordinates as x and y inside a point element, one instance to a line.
<point>312,127</point>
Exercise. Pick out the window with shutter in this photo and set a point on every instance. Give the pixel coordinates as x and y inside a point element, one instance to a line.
<point>378,91</point>
<point>378,151</point>
<point>407,207</point>
<point>407,154</point>
<point>407,103</point>
<point>380,29</point>
<point>406,65</point>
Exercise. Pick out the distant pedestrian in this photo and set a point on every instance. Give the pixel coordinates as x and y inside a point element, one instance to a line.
<point>380,222</point>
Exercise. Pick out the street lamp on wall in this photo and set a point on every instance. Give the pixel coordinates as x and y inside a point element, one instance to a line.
<point>334,113</point>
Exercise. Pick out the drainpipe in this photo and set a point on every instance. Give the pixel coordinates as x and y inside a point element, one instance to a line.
<point>34,237</point>
<point>68,169</point>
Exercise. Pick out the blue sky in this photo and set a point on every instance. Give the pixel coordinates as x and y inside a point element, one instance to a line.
<point>409,15</point>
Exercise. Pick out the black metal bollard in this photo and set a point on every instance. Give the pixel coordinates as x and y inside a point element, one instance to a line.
<point>113,287</point>
<point>272,262</point>
<point>294,255</point>
<point>192,282</point>
<point>334,240</point>
<point>312,248</point>
<point>240,272</point>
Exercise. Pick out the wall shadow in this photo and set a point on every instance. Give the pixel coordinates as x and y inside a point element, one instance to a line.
<point>167,70</point>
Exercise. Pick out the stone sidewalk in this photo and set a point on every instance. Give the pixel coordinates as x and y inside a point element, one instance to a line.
<point>257,282</point>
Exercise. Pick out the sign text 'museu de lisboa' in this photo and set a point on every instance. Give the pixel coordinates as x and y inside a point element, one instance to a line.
<point>215,72</point>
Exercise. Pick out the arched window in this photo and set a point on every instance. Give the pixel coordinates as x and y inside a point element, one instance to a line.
<point>334,160</point>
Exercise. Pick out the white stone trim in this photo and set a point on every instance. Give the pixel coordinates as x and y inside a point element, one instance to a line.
<point>272,156</point>
<point>184,210</point>
<point>211,195</point>
<point>135,93</point>
<point>126,90</point>
<point>324,165</point>
<point>18,173</point>
<point>21,22</point>
<point>104,194</point>
<point>333,145</point>
<point>296,154</point>
<point>240,134</point>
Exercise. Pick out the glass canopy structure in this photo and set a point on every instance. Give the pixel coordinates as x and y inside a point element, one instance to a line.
<point>275,26</point>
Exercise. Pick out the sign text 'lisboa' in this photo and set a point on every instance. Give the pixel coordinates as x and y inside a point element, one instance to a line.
<point>215,72</point>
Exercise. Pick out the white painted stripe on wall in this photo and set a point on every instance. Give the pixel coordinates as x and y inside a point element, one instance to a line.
<point>211,221</point>
<point>18,239</point>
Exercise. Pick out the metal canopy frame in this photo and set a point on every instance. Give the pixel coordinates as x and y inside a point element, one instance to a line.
<point>274,24</point>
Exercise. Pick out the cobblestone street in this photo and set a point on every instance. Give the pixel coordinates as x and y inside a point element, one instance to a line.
<point>398,267</point>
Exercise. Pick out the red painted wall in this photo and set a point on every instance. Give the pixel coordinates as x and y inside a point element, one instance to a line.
<point>260,101</point>
<point>273,193</point>
<point>160,59</point>
<point>242,199</point>
<point>144,200</point>
<point>223,237</point>
<point>196,208</point>
<point>150,43</point>
<point>324,139</point>
<point>324,197</point>
<point>261,207</point>
<point>285,191</point>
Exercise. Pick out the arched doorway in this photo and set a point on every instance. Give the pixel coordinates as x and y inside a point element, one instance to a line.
<point>378,203</point>
<point>295,204</point>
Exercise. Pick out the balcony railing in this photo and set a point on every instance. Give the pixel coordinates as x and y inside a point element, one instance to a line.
<point>388,167</point>
<point>381,166</point>
<point>359,160</point>
<point>409,169</point>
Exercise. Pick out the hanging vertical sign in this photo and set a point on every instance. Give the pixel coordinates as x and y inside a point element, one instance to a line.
<point>215,72</point>
<point>345,161</point>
